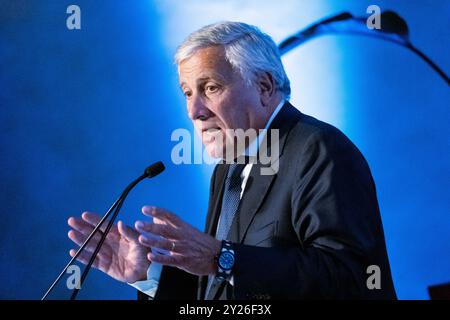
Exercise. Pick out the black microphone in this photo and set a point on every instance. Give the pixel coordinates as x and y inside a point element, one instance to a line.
<point>150,172</point>
<point>154,169</point>
<point>393,29</point>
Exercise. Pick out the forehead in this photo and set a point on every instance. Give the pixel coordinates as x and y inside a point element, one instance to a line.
<point>205,63</point>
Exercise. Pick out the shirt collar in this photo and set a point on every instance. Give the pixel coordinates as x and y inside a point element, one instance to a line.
<point>252,149</point>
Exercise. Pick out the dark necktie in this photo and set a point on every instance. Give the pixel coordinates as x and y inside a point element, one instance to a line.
<point>230,200</point>
<point>230,203</point>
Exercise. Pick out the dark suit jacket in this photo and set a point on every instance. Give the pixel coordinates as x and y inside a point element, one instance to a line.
<point>309,231</point>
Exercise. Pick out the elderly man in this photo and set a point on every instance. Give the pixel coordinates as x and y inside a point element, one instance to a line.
<point>311,229</point>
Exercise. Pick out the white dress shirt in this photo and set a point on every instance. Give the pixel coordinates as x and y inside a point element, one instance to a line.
<point>150,285</point>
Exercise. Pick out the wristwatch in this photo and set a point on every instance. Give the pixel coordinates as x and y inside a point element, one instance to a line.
<point>225,261</point>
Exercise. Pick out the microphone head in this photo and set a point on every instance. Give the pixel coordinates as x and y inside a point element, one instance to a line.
<point>154,169</point>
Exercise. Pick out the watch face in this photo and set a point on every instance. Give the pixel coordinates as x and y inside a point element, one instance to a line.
<point>226,260</point>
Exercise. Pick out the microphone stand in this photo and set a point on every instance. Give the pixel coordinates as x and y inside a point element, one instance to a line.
<point>149,172</point>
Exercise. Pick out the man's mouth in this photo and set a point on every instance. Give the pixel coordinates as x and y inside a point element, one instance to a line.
<point>211,134</point>
<point>213,130</point>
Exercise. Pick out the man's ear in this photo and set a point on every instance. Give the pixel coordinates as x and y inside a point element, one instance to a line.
<point>266,86</point>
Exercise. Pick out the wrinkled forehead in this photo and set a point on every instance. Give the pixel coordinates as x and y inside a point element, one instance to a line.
<point>206,62</point>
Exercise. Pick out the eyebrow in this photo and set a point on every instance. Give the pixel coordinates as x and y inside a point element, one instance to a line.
<point>203,79</point>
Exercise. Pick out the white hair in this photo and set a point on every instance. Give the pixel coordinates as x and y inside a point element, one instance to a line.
<point>247,49</point>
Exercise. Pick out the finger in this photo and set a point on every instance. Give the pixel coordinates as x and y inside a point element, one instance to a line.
<point>161,243</point>
<point>127,232</point>
<point>143,226</point>
<point>80,238</point>
<point>146,234</point>
<point>90,247</point>
<point>84,258</point>
<point>162,214</point>
<point>165,231</point>
<point>80,225</point>
<point>159,221</point>
<point>94,219</point>
<point>167,260</point>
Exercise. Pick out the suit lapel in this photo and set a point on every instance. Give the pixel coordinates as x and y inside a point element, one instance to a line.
<point>258,185</point>
<point>255,192</point>
<point>216,200</point>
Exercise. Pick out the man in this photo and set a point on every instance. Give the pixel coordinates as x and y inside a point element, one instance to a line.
<point>311,229</point>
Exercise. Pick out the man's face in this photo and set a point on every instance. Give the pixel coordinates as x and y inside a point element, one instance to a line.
<point>218,99</point>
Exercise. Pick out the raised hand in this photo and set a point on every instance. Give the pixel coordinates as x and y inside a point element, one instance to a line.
<point>122,256</point>
<point>188,248</point>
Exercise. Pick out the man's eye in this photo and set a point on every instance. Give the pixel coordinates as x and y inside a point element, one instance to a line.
<point>211,89</point>
<point>188,94</point>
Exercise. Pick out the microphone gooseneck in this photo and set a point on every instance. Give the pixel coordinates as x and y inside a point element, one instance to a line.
<point>150,172</point>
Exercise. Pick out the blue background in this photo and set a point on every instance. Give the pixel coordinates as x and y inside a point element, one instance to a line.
<point>83,112</point>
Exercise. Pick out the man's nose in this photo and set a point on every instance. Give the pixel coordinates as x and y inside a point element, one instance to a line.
<point>197,110</point>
